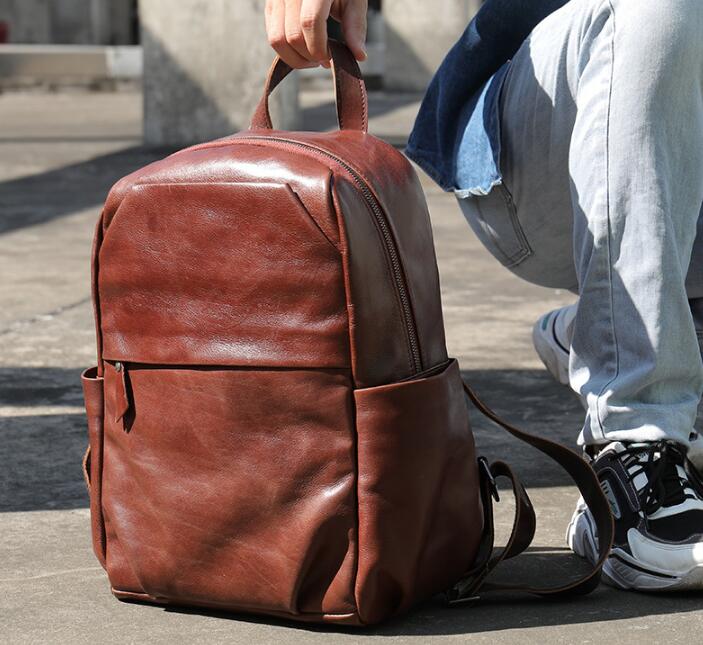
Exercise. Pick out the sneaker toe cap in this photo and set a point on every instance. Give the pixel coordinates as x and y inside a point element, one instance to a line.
<point>669,557</point>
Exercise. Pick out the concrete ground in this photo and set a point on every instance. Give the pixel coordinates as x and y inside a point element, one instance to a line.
<point>59,154</point>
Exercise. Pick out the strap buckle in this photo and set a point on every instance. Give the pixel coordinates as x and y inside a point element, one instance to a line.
<point>485,469</point>
<point>461,602</point>
<point>464,592</point>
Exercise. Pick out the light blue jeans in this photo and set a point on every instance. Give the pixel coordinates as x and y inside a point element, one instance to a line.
<point>601,121</point>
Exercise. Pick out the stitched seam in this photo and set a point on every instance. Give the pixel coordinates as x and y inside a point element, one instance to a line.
<point>95,288</point>
<point>338,94</point>
<point>287,187</point>
<point>517,259</point>
<point>599,417</point>
<point>244,607</point>
<point>391,276</point>
<point>261,143</point>
<point>355,581</point>
<point>524,251</point>
<point>622,476</point>
<point>364,106</point>
<point>351,323</point>
<point>515,220</point>
<point>308,213</point>
<point>387,269</point>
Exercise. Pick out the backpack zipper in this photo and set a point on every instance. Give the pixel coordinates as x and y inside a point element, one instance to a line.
<point>121,398</point>
<point>384,228</point>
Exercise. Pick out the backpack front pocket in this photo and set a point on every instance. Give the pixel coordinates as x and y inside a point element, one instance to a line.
<point>231,487</point>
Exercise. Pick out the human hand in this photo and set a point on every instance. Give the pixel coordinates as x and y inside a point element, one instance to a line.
<point>297,29</point>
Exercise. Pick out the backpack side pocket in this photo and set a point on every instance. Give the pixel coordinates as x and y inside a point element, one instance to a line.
<point>93,460</point>
<point>420,513</point>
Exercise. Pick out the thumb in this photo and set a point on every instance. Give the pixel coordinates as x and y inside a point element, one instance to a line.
<point>353,21</point>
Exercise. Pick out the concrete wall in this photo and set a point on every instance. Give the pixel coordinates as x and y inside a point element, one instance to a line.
<point>72,21</point>
<point>75,22</point>
<point>204,68</point>
<point>122,21</point>
<point>418,35</point>
<point>28,20</point>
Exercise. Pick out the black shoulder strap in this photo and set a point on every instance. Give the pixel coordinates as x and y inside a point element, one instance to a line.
<point>524,521</point>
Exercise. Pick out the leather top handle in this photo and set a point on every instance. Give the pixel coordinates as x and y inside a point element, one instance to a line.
<point>350,90</point>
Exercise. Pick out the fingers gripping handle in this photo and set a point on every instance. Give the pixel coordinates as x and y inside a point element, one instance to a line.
<point>350,90</point>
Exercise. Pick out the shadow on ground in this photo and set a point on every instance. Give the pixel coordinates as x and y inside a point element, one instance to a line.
<point>46,196</point>
<point>501,612</point>
<point>40,455</point>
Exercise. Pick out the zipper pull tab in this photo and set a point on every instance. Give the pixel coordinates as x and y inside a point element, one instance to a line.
<point>121,392</point>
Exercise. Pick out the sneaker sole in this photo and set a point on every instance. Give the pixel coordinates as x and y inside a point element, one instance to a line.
<point>621,570</point>
<point>555,359</point>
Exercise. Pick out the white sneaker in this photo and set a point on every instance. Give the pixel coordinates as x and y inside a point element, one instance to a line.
<point>551,337</point>
<point>656,497</point>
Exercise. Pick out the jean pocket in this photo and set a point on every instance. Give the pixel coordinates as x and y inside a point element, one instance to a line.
<point>493,217</point>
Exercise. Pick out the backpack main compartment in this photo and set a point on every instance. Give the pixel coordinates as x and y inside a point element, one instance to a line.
<point>275,426</point>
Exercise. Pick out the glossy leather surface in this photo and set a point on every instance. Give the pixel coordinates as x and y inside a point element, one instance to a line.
<point>350,92</point>
<point>232,246</point>
<point>214,501</point>
<point>397,188</point>
<point>420,515</point>
<point>268,443</point>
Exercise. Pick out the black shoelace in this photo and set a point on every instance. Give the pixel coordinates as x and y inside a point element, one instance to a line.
<point>665,485</point>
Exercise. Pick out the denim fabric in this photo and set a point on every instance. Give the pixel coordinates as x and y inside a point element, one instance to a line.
<point>601,134</point>
<point>491,39</point>
<point>477,151</point>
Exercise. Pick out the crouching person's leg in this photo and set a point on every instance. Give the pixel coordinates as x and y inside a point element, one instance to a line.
<point>602,160</point>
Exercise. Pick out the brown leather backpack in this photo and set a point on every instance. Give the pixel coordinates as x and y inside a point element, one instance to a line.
<point>275,426</point>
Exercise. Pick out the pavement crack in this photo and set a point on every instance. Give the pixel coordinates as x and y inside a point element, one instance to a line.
<point>37,318</point>
<point>51,574</point>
